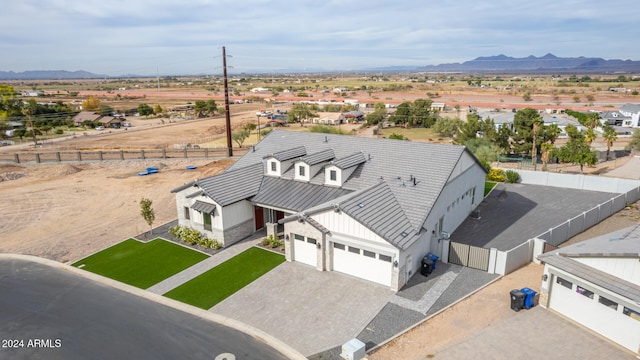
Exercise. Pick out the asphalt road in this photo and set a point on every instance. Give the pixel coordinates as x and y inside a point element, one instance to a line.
<point>49,313</point>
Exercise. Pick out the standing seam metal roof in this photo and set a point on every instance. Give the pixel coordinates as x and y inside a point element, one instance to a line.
<point>233,185</point>
<point>349,161</point>
<point>318,157</point>
<point>294,195</point>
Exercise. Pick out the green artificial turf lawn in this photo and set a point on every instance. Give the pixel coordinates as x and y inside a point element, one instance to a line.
<point>141,264</point>
<point>488,185</point>
<point>224,280</point>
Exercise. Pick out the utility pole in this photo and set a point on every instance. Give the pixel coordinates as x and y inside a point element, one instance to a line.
<point>226,103</point>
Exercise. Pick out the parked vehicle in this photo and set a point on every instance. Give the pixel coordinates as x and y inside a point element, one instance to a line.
<point>100,128</point>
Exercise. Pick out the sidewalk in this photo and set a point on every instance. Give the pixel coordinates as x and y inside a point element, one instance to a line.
<point>205,265</point>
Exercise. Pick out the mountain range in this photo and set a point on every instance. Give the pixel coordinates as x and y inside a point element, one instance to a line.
<point>491,64</point>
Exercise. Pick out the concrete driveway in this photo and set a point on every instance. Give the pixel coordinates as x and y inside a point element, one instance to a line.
<point>535,333</point>
<point>309,310</point>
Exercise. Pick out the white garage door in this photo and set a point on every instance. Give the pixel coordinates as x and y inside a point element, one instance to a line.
<point>304,250</point>
<point>362,263</point>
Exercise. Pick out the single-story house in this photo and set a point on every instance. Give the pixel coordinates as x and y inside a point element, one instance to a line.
<point>85,116</point>
<point>596,283</point>
<point>328,118</point>
<point>352,117</point>
<point>370,208</point>
<point>111,122</point>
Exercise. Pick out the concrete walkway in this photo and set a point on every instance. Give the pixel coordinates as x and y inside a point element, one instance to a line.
<point>205,265</point>
<point>424,304</point>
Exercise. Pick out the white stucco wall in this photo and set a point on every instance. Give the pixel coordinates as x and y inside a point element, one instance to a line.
<point>624,268</point>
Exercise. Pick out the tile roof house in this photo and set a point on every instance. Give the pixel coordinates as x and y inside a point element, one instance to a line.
<point>597,284</point>
<point>370,208</point>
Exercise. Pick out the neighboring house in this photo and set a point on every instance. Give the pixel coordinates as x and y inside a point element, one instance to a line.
<point>502,119</point>
<point>597,284</point>
<point>85,116</point>
<point>111,122</point>
<point>328,118</point>
<point>352,117</point>
<point>633,112</point>
<point>32,93</point>
<point>436,106</point>
<point>370,208</point>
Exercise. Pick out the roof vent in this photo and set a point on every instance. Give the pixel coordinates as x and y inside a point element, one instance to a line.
<point>326,139</point>
<point>336,208</point>
<point>404,234</point>
<point>361,205</point>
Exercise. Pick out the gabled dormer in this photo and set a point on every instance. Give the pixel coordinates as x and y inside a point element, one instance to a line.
<point>277,163</point>
<point>338,171</point>
<point>307,167</point>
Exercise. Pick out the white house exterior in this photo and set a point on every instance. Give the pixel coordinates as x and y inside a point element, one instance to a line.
<point>369,208</point>
<point>597,284</point>
<point>631,111</point>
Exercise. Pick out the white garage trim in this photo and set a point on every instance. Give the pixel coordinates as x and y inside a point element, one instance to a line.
<point>362,263</point>
<point>304,250</point>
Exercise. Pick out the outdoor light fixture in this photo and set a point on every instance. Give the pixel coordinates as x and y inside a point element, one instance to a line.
<point>286,237</point>
<point>545,277</point>
<point>395,263</point>
<point>318,245</point>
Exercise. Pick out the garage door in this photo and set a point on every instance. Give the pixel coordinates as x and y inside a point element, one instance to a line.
<point>304,250</point>
<point>362,263</point>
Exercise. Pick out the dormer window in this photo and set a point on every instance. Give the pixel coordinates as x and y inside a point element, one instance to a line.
<point>274,166</point>
<point>333,175</point>
<point>301,171</point>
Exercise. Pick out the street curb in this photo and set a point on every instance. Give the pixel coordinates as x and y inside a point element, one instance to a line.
<point>258,334</point>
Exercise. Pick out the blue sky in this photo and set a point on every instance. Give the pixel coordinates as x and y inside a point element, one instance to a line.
<point>117,37</point>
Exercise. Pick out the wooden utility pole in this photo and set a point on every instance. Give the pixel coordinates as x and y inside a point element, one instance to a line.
<point>226,104</point>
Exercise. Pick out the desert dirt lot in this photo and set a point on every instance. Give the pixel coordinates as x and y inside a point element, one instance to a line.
<point>67,211</point>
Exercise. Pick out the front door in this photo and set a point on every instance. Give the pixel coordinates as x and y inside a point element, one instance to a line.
<point>258,215</point>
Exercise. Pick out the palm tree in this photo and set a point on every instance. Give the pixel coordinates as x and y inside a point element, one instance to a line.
<point>546,149</point>
<point>537,124</point>
<point>609,136</point>
<point>589,136</point>
<point>551,132</point>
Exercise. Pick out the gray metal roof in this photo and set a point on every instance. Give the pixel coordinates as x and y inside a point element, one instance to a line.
<point>203,207</point>
<point>349,161</point>
<point>295,195</point>
<point>319,157</point>
<point>632,108</point>
<point>621,244</point>
<point>379,210</point>
<point>593,275</point>
<point>288,154</point>
<point>234,184</point>
<point>395,208</point>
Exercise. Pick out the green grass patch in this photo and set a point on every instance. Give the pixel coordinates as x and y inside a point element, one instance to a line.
<point>488,185</point>
<point>141,264</point>
<point>224,280</point>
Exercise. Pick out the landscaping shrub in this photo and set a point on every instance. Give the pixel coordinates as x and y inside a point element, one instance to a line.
<point>512,176</point>
<point>193,237</point>
<point>496,175</point>
<point>264,242</point>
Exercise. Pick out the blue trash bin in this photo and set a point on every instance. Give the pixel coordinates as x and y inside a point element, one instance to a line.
<point>529,297</point>
<point>433,258</point>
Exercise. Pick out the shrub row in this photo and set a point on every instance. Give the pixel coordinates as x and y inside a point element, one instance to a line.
<point>500,175</point>
<point>193,237</point>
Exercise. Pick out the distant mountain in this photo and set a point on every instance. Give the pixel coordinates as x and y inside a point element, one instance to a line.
<point>48,75</point>
<point>547,63</point>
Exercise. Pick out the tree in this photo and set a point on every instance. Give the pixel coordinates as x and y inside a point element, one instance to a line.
<point>28,110</point>
<point>447,127</point>
<point>546,149</point>
<point>402,115</point>
<point>469,130</point>
<point>158,109</point>
<point>576,150</point>
<point>551,133</point>
<point>589,136</point>
<point>484,149</point>
<point>634,143</point>
<point>145,110</point>
<point>503,139</point>
<point>91,104</point>
<point>609,136</point>
<point>300,112</point>
<point>396,136</point>
<point>421,113</point>
<point>147,213</point>
<point>535,129</point>
<point>523,137</point>
<point>240,136</point>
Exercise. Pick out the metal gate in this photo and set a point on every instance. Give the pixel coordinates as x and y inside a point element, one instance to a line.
<point>470,256</point>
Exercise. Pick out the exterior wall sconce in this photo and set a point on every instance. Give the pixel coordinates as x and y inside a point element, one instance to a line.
<point>395,263</point>
<point>286,237</point>
<point>318,245</point>
<point>545,277</point>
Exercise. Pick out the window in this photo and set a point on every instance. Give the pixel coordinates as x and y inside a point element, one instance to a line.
<point>311,241</point>
<point>631,313</point>
<point>338,246</point>
<point>564,282</point>
<point>333,175</point>
<point>606,302</point>
<point>298,237</point>
<point>274,166</point>
<point>582,291</point>
<point>354,250</point>
<point>187,213</point>
<point>384,258</point>
<point>301,170</point>
<point>207,221</point>
<point>368,253</point>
